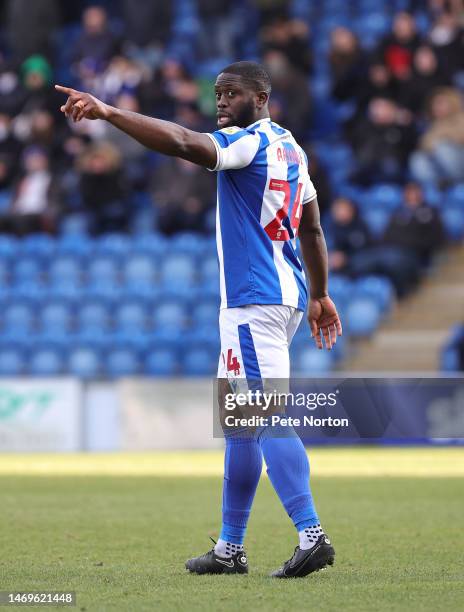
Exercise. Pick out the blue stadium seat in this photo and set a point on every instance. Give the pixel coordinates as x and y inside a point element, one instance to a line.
<point>9,247</point>
<point>121,362</point>
<point>161,362</point>
<point>310,361</point>
<point>199,362</point>
<point>377,288</point>
<point>18,316</point>
<point>63,270</point>
<point>209,269</point>
<point>186,243</point>
<point>362,317</point>
<point>75,225</point>
<point>206,336</point>
<point>131,316</point>
<point>79,246</point>
<point>54,339</point>
<point>4,273</point>
<point>27,269</point>
<point>376,219</point>
<point>178,268</point>
<point>84,362</point>
<point>114,245</point>
<point>93,315</point>
<point>109,293</point>
<point>140,269</point>
<point>103,269</point>
<point>96,339</point>
<point>153,245</point>
<point>56,316</point>
<point>205,313</point>
<point>385,196</point>
<point>32,292</point>
<point>65,292</point>
<point>38,245</point>
<point>341,289</point>
<point>455,196</point>
<point>46,362</point>
<point>170,314</point>
<point>139,341</point>
<point>11,362</point>
<point>453,220</point>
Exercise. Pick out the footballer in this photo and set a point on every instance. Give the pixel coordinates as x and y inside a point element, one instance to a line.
<point>265,199</point>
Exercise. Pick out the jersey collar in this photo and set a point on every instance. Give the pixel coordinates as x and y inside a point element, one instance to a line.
<point>258,122</point>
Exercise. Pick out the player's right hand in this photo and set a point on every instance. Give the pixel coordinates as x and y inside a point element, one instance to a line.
<point>323,317</point>
<point>81,105</point>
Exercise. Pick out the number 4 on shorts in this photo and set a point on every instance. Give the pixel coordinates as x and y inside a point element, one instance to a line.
<point>232,363</point>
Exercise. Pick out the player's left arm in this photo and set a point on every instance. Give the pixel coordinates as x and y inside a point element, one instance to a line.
<point>322,312</point>
<point>161,136</point>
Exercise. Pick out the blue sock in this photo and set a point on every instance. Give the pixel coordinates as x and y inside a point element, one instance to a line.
<point>288,471</point>
<point>242,469</point>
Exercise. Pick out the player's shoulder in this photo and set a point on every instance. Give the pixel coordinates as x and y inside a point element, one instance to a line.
<point>230,135</point>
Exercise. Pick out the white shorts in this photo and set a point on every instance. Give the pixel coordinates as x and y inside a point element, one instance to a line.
<point>255,340</point>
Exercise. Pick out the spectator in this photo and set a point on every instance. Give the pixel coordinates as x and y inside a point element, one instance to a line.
<point>39,94</point>
<point>96,44</point>
<point>355,253</point>
<point>416,227</point>
<point>103,189</point>
<point>349,233</point>
<point>347,63</point>
<point>427,77</point>
<point>291,38</point>
<point>33,207</point>
<point>10,149</point>
<point>447,38</point>
<point>378,84</point>
<point>148,23</point>
<point>216,35</point>
<point>290,89</point>
<point>30,27</point>
<point>382,142</point>
<point>183,193</point>
<point>440,157</point>
<point>398,49</point>
<point>321,181</point>
<point>271,9</point>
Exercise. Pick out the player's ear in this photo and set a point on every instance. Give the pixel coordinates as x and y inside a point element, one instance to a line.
<point>262,98</point>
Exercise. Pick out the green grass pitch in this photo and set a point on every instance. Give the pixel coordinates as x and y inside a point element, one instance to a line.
<point>117,528</point>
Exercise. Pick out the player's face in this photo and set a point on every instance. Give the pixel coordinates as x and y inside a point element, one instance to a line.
<point>235,104</point>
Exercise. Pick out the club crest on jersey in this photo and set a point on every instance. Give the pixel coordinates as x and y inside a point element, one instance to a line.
<point>230,130</point>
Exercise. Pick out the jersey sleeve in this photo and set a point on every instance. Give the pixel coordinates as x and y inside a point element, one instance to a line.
<point>309,191</point>
<point>235,148</point>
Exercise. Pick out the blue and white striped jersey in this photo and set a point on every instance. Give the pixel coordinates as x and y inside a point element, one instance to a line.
<point>263,182</point>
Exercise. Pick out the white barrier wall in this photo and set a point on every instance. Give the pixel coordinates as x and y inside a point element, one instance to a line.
<point>60,415</point>
<point>40,415</point>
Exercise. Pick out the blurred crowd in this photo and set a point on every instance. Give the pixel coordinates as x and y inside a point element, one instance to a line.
<point>402,103</point>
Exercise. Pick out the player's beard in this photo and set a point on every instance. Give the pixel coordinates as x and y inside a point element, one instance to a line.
<point>245,116</point>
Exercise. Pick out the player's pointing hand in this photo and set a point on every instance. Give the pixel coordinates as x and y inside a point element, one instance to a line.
<point>323,317</point>
<point>81,105</point>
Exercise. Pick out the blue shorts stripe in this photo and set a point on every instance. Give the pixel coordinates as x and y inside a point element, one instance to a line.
<point>247,347</point>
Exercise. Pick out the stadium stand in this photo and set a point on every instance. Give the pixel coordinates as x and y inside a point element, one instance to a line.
<point>107,258</point>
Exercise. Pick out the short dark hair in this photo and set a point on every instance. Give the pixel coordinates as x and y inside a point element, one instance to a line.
<point>253,73</point>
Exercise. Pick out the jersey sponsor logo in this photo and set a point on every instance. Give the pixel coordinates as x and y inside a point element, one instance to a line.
<point>230,130</point>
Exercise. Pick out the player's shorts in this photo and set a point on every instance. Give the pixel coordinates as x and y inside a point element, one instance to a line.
<point>255,341</point>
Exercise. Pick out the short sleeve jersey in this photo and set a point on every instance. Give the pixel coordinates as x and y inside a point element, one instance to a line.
<point>263,182</point>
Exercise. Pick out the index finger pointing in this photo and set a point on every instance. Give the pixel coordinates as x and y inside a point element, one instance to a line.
<point>66,90</point>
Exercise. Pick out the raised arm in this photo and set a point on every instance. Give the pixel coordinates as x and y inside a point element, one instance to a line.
<point>322,313</point>
<point>162,136</point>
